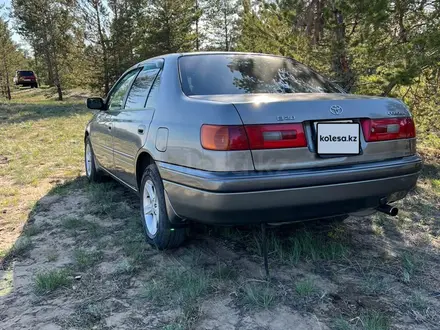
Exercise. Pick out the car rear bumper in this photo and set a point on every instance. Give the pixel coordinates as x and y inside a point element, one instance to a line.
<point>252,197</point>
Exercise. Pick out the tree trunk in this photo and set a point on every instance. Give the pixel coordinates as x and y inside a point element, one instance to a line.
<point>104,51</point>
<point>47,57</point>
<point>225,14</point>
<point>341,65</point>
<point>246,7</point>
<point>57,79</point>
<point>197,27</point>
<point>5,69</point>
<point>8,88</point>
<point>389,88</point>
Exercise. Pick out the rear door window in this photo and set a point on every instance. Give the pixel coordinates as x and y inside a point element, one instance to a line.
<point>137,97</point>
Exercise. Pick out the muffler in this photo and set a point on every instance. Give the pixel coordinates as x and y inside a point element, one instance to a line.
<point>388,209</point>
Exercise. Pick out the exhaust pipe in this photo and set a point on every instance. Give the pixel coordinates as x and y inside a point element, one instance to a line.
<point>388,209</point>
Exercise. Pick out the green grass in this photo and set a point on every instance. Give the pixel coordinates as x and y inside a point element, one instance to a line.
<point>69,185</point>
<point>305,287</point>
<point>224,272</point>
<point>86,316</point>
<point>52,256</point>
<point>341,324</point>
<point>78,224</point>
<point>6,282</point>
<point>304,245</point>
<point>32,230</point>
<point>189,316</point>
<point>49,281</point>
<point>258,295</point>
<point>436,185</point>
<point>410,265</point>
<point>175,286</point>
<point>42,141</point>
<point>125,267</point>
<point>373,284</point>
<point>418,302</point>
<point>175,326</point>
<point>21,248</point>
<point>86,259</point>
<point>375,321</point>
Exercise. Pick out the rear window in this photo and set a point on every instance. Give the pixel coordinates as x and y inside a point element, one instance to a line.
<point>26,73</point>
<point>218,74</point>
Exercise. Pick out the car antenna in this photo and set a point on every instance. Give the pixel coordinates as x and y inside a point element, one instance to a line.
<point>264,248</point>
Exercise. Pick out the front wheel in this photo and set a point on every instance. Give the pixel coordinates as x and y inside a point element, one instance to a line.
<point>158,229</point>
<point>89,162</point>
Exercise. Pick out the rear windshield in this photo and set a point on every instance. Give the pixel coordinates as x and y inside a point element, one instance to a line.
<point>249,74</point>
<point>26,73</point>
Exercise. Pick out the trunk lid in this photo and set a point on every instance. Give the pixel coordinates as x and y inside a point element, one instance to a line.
<point>308,109</point>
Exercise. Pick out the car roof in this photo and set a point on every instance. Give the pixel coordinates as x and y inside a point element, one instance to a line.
<point>174,55</point>
<point>177,55</point>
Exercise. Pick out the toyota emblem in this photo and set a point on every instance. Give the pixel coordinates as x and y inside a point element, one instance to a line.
<point>336,109</point>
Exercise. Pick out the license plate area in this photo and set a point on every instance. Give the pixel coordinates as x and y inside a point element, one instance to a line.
<point>337,138</point>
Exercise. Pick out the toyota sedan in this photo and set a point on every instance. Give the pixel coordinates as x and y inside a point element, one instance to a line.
<point>237,138</point>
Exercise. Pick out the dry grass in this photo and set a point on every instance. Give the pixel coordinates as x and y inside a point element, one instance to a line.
<point>41,147</point>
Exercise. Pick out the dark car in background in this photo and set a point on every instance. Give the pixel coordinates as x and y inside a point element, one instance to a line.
<point>26,78</point>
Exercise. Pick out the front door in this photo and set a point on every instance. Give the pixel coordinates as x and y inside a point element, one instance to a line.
<point>131,124</point>
<point>101,138</point>
<point>115,102</point>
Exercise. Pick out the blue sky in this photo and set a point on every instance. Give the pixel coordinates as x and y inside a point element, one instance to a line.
<point>4,13</point>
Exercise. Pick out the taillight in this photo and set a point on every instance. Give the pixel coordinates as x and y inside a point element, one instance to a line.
<point>214,137</point>
<point>388,129</point>
<point>271,136</point>
<point>276,136</point>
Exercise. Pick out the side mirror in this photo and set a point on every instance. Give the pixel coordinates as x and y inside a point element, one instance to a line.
<point>95,103</point>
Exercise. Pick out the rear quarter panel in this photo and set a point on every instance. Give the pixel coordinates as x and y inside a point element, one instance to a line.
<point>183,117</point>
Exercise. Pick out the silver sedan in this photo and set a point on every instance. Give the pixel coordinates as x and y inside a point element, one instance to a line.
<point>235,138</point>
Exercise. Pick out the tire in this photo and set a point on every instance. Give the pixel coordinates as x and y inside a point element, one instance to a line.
<point>93,175</point>
<point>158,229</point>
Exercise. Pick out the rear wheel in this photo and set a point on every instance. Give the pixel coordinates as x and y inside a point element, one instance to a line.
<point>158,229</point>
<point>92,172</point>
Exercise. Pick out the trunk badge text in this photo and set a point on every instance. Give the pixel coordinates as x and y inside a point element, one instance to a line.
<point>285,118</point>
<point>396,113</point>
<point>336,109</point>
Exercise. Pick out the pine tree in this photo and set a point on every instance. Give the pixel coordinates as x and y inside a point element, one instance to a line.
<point>96,18</point>
<point>221,18</point>
<point>49,27</point>
<point>11,57</point>
<point>170,26</point>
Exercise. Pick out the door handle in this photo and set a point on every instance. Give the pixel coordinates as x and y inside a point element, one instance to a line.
<point>141,129</point>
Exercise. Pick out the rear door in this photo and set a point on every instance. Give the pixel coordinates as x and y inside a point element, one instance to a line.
<point>103,129</point>
<point>132,122</point>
